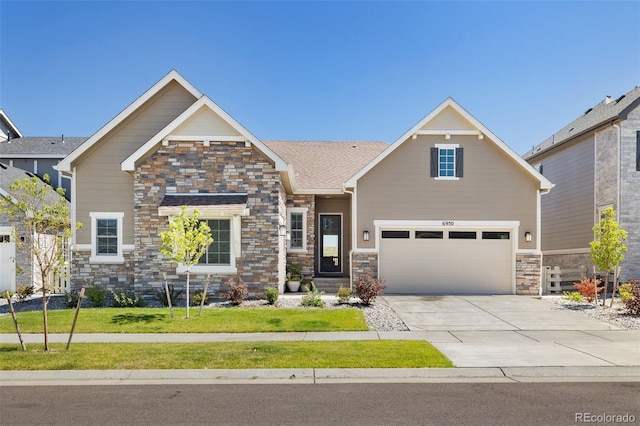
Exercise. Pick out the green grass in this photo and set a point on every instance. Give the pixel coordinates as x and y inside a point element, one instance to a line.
<point>236,355</point>
<point>150,320</point>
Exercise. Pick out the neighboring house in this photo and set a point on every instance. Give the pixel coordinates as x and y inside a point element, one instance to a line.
<point>8,130</point>
<point>447,208</point>
<point>16,265</point>
<point>40,156</point>
<point>595,163</point>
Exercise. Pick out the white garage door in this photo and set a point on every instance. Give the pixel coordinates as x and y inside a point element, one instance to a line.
<point>7,260</point>
<point>451,261</point>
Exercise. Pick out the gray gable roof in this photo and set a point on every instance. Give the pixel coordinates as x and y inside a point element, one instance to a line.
<point>35,146</point>
<point>607,111</point>
<point>9,175</point>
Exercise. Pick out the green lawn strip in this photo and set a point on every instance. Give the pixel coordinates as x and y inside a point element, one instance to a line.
<point>225,320</point>
<point>232,355</point>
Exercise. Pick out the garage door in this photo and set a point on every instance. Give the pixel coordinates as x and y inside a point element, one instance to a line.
<point>451,261</point>
<point>7,260</point>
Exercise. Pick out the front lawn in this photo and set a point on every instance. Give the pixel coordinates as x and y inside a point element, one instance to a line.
<point>223,320</point>
<point>235,355</point>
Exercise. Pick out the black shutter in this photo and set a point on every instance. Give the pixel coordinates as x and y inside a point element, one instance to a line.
<point>638,151</point>
<point>434,162</point>
<point>459,162</point>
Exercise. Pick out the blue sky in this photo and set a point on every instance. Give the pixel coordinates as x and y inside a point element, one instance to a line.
<point>320,70</point>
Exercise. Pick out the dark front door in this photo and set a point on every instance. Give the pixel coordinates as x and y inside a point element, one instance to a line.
<point>330,244</point>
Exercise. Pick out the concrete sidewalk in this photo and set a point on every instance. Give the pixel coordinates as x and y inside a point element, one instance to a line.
<point>488,338</point>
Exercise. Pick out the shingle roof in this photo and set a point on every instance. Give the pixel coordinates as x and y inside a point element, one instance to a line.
<point>173,200</point>
<point>36,146</point>
<point>606,111</point>
<point>9,174</point>
<point>325,164</point>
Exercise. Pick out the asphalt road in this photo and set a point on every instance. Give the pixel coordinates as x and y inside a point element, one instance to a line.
<point>370,404</point>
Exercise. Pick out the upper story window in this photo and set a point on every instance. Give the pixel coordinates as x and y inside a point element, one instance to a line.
<point>297,228</point>
<point>106,237</point>
<point>447,161</point>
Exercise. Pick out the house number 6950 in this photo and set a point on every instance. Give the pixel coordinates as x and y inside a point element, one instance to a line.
<point>447,223</point>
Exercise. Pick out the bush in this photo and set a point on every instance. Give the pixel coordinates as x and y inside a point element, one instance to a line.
<point>313,298</point>
<point>197,298</point>
<point>368,288</point>
<point>626,291</point>
<point>24,292</point>
<point>71,299</point>
<point>126,300</point>
<point>272,295</point>
<point>573,296</point>
<point>633,303</point>
<point>7,293</point>
<point>586,288</point>
<point>344,294</point>
<point>161,296</point>
<point>238,292</point>
<point>96,295</point>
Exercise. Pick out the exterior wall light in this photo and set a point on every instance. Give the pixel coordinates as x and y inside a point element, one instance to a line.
<point>527,236</point>
<point>282,231</point>
<point>365,235</point>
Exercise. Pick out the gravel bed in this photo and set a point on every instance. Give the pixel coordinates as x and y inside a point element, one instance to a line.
<point>615,315</point>
<point>379,316</point>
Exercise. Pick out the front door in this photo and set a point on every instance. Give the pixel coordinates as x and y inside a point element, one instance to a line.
<point>330,244</point>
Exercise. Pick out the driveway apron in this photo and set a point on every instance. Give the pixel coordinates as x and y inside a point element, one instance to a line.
<point>514,331</point>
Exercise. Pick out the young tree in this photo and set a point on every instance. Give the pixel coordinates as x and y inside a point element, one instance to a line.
<point>46,221</point>
<point>186,241</point>
<point>607,250</point>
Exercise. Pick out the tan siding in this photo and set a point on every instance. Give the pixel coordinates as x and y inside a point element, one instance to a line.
<point>101,185</point>
<point>205,122</point>
<point>448,119</point>
<point>567,211</point>
<point>493,188</point>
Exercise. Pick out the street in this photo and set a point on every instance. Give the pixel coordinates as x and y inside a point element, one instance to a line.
<point>370,404</point>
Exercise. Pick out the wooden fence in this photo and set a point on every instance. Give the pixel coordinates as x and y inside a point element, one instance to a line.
<point>556,280</point>
<point>62,280</point>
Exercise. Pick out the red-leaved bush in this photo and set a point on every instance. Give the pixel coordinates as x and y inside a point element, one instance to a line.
<point>237,293</point>
<point>368,288</point>
<point>586,288</point>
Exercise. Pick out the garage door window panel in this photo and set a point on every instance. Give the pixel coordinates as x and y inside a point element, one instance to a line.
<point>395,234</point>
<point>496,235</point>
<point>462,235</point>
<point>429,235</point>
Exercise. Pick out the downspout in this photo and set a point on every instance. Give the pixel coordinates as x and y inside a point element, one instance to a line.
<point>353,233</point>
<point>619,143</point>
<point>539,236</point>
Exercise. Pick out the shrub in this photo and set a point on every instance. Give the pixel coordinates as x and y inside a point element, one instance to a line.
<point>71,299</point>
<point>626,291</point>
<point>96,295</point>
<point>344,294</point>
<point>24,292</point>
<point>197,298</point>
<point>7,293</point>
<point>161,296</point>
<point>573,296</point>
<point>313,298</point>
<point>586,288</point>
<point>633,303</point>
<point>368,288</point>
<point>126,300</point>
<point>237,293</point>
<point>272,295</point>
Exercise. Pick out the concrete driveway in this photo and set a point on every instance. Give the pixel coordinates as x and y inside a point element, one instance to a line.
<point>514,331</point>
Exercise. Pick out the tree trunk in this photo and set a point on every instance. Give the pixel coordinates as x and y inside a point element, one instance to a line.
<point>616,280</point>
<point>187,293</point>
<point>44,316</point>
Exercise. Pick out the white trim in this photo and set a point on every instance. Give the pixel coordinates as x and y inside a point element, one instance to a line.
<point>129,165</point>
<point>206,139</point>
<point>449,102</point>
<point>304,211</point>
<point>206,212</point>
<point>35,167</point>
<point>65,164</point>
<point>101,258</point>
<point>319,191</point>
<point>439,223</point>
<point>448,132</point>
<point>235,236</point>
<point>10,123</point>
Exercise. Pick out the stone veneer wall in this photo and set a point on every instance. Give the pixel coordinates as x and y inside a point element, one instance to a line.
<point>363,264</point>
<point>306,260</point>
<point>224,167</point>
<point>116,277</point>
<point>629,214</point>
<point>528,269</point>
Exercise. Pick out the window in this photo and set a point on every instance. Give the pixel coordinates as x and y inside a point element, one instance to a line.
<point>495,235</point>
<point>429,235</point>
<point>395,234</point>
<point>5,238</point>
<point>447,161</point>
<point>106,237</point>
<point>462,235</point>
<point>297,228</point>
<point>219,251</point>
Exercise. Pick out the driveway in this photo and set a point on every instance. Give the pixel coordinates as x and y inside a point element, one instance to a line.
<point>514,331</point>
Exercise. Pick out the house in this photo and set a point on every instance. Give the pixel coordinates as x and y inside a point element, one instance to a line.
<point>447,208</point>
<point>16,263</point>
<point>595,163</point>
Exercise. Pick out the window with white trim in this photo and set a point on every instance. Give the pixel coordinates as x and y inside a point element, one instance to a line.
<point>219,251</point>
<point>297,228</point>
<point>106,237</point>
<point>447,161</point>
